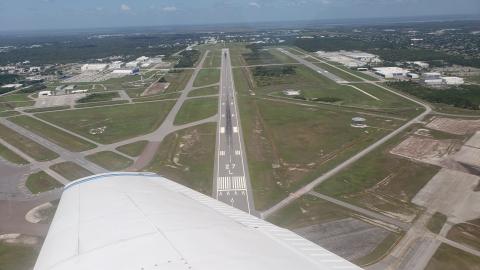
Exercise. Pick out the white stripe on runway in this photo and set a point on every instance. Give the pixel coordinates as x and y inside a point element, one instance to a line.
<point>231,183</point>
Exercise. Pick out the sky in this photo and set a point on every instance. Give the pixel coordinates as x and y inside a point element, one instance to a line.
<point>81,14</point>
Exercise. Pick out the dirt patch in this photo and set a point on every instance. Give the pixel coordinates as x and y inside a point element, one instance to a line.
<point>454,126</point>
<point>155,88</point>
<point>428,150</point>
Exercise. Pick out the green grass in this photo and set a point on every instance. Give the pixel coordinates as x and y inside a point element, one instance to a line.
<point>15,97</point>
<point>314,86</point>
<point>11,156</point>
<point>121,122</point>
<point>18,256</point>
<point>187,157</point>
<point>266,56</point>
<point>133,149</point>
<point>53,134</point>
<point>436,222</point>
<point>110,160</point>
<point>10,105</point>
<point>207,77</point>
<point>448,257</point>
<point>196,109</point>
<point>289,145</point>
<point>467,233</point>
<point>178,80</point>
<point>41,182</point>
<point>381,250</point>
<point>70,170</point>
<point>211,90</point>
<point>24,144</point>
<point>98,97</point>
<point>381,181</point>
<point>9,113</point>
<point>213,59</point>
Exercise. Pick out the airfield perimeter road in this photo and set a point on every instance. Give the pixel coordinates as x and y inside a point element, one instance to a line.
<point>307,188</point>
<point>231,182</point>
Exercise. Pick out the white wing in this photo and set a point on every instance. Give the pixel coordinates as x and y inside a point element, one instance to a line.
<point>144,221</point>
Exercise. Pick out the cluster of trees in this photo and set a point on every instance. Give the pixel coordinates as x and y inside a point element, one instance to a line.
<point>337,44</point>
<point>188,58</point>
<point>273,71</point>
<point>95,97</point>
<point>8,78</point>
<point>464,96</point>
<point>67,49</point>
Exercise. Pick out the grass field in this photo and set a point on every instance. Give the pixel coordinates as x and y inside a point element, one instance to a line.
<point>211,90</point>
<point>448,257</point>
<point>187,157</point>
<point>436,222</point>
<point>290,145</point>
<point>236,54</point>
<point>467,233</point>
<point>381,182</point>
<point>196,109</point>
<point>70,170</point>
<point>18,256</point>
<point>207,77</point>
<point>11,156</point>
<point>316,87</point>
<point>10,105</point>
<point>53,134</point>
<point>24,144</point>
<point>9,113</point>
<point>113,123</point>
<point>266,56</point>
<point>41,182</point>
<point>98,97</point>
<point>133,149</point>
<point>213,59</point>
<point>110,160</point>
<point>178,80</point>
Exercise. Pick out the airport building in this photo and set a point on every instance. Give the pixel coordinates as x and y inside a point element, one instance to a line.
<point>93,67</point>
<point>391,72</point>
<point>432,78</point>
<point>127,71</point>
<point>453,80</point>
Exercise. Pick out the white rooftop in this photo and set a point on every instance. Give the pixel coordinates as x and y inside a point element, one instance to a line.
<point>144,221</point>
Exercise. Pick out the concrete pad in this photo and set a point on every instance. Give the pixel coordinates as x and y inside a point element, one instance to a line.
<point>451,193</point>
<point>474,141</point>
<point>469,156</point>
<point>60,100</point>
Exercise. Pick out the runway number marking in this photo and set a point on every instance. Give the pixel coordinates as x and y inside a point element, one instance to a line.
<point>222,130</point>
<point>235,129</point>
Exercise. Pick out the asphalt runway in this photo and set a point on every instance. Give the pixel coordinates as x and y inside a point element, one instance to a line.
<point>231,181</point>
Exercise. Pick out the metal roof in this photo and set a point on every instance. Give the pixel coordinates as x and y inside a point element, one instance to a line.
<point>144,221</point>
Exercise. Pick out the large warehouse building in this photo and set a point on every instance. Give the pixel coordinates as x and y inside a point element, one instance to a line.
<point>391,72</point>
<point>93,67</point>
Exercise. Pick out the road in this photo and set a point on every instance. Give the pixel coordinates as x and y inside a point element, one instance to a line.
<point>231,181</point>
<point>307,188</point>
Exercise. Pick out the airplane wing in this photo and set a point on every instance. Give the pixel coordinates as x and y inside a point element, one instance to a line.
<point>144,221</point>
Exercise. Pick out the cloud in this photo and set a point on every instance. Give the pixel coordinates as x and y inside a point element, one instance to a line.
<point>254,4</point>
<point>169,8</point>
<point>125,7</point>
